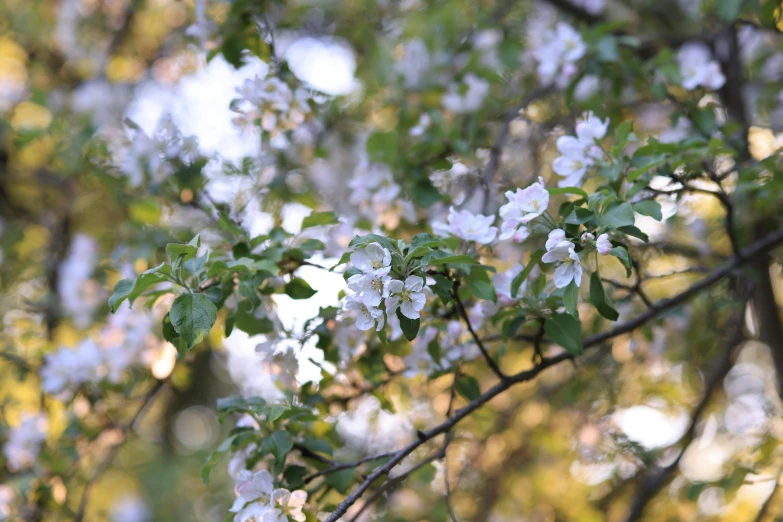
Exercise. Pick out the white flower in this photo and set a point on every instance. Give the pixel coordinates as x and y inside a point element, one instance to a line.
<point>568,266</point>
<point>555,237</point>
<point>467,226</point>
<point>24,442</point>
<point>370,286</point>
<point>366,315</point>
<point>423,124</point>
<point>467,96</point>
<point>591,129</point>
<point>407,296</point>
<point>698,68</point>
<point>291,503</point>
<point>603,245</point>
<point>259,512</point>
<point>523,206</point>
<point>371,259</point>
<point>586,238</point>
<point>559,50</point>
<point>253,486</point>
<point>573,163</point>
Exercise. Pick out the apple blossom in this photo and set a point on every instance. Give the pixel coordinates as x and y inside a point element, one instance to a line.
<point>523,206</point>
<point>371,259</point>
<point>367,315</point>
<point>603,245</point>
<point>568,267</point>
<point>407,296</point>
<point>467,226</point>
<point>370,286</point>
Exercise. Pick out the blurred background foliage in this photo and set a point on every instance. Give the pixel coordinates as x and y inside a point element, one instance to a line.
<point>574,444</point>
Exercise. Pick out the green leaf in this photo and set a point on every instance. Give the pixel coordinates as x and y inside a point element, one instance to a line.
<point>571,298</point>
<point>705,120</point>
<point>279,444</point>
<point>579,216</point>
<point>424,239</point>
<point>453,260</point>
<point>635,232</point>
<point>483,290</point>
<point>622,133</point>
<point>298,288</point>
<point>728,10</point>
<point>535,258</point>
<point>468,387</point>
<point>617,216</point>
<point>567,190</point>
<point>358,241</point>
<point>319,218</point>
<point>419,251</point>
<point>341,480</point>
<point>649,208</point>
<point>625,258</point>
<point>175,251</point>
<point>193,316</point>
<point>410,327</point>
<point>383,147</point>
<point>599,300</point>
<point>171,335</point>
<point>645,163</point>
<point>294,476</point>
<point>131,289</point>
<point>343,259</point>
<point>566,331</point>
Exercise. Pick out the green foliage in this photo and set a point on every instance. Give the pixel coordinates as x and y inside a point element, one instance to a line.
<point>565,330</point>
<point>192,316</point>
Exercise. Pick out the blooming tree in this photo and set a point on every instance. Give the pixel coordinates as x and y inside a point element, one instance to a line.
<point>474,247</point>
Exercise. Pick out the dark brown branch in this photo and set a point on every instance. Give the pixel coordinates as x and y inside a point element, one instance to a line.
<point>464,314</point>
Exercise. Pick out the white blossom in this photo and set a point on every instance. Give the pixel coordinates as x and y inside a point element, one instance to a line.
<point>523,206</point>
<point>408,296</point>
<point>79,294</point>
<point>568,267</point>
<point>370,286</point>
<point>556,55</point>
<point>467,226</point>
<point>603,245</point>
<point>24,442</point>
<point>253,486</point>
<point>366,315</point>
<point>371,259</point>
<point>290,503</point>
<point>467,96</point>
<point>697,68</point>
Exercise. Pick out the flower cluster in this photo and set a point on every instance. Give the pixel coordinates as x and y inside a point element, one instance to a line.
<point>466,96</point>
<point>465,225</point>
<point>79,294</point>
<point>158,154</point>
<point>698,68</point>
<point>374,284</point>
<point>125,341</point>
<point>259,501</point>
<point>558,53</point>
<point>271,104</point>
<point>24,442</point>
<point>580,152</point>
<point>562,253</point>
<point>523,207</point>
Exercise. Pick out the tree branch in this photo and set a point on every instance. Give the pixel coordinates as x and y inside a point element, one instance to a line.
<point>758,248</point>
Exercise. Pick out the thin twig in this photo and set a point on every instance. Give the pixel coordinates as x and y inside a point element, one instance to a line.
<point>461,308</point>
